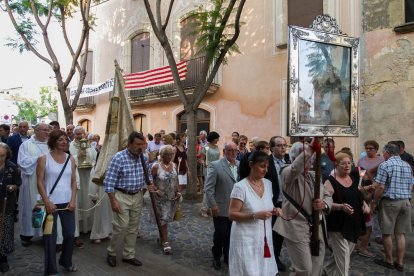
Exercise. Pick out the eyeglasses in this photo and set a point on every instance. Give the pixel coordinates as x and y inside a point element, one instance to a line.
<point>241,143</point>
<point>281,145</point>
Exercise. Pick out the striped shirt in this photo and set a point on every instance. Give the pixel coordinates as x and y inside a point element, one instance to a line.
<point>125,172</point>
<point>397,177</point>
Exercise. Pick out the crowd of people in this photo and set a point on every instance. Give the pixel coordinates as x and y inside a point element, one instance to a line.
<point>260,195</point>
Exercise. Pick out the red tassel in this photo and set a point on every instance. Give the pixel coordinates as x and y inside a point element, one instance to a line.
<point>266,249</point>
<point>266,246</point>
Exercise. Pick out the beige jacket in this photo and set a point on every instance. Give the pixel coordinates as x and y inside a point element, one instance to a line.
<point>297,229</point>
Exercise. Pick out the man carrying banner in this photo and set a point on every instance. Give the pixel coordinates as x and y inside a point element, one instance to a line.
<point>124,182</point>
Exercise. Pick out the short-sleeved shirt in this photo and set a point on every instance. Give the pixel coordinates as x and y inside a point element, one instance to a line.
<point>125,172</point>
<point>397,176</point>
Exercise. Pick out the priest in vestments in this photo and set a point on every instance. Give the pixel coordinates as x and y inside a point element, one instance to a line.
<point>29,152</point>
<point>85,158</point>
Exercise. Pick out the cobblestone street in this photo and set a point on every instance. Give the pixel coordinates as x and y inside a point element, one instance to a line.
<point>191,240</point>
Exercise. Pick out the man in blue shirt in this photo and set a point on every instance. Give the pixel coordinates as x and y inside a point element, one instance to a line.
<point>124,183</point>
<point>394,181</point>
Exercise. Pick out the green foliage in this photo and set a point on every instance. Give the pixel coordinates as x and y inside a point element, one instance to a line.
<point>27,111</point>
<point>24,16</point>
<point>30,110</point>
<point>26,27</point>
<point>206,24</point>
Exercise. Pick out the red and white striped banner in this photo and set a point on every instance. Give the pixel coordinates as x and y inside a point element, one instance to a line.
<point>154,77</point>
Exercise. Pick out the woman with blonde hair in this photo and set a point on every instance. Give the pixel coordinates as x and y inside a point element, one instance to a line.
<point>165,189</point>
<point>345,222</point>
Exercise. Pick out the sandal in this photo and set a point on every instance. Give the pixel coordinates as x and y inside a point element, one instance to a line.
<point>399,267</point>
<point>166,248</point>
<point>71,268</point>
<point>384,263</point>
<point>98,241</point>
<point>366,253</point>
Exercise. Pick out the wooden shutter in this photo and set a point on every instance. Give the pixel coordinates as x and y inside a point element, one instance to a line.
<point>140,52</point>
<point>303,12</point>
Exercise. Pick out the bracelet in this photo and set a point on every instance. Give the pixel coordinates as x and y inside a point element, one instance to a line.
<point>254,216</point>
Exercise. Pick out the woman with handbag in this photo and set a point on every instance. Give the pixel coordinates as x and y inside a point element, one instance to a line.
<point>165,190</point>
<point>9,183</point>
<point>56,182</point>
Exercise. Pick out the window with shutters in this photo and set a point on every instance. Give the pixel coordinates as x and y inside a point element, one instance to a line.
<point>188,47</point>
<point>202,121</point>
<point>302,12</point>
<point>89,67</point>
<point>296,12</point>
<point>140,52</point>
<point>409,11</point>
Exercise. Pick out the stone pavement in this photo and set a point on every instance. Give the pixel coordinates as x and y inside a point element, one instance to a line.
<point>191,240</point>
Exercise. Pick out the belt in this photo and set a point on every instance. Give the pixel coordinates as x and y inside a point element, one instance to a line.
<point>128,192</point>
<point>394,199</point>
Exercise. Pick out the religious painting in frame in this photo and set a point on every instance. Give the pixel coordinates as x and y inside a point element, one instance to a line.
<point>323,80</point>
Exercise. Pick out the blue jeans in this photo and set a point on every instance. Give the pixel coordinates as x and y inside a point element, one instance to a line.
<point>67,219</point>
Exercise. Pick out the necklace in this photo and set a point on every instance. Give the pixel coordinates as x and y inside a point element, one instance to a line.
<point>165,166</point>
<point>258,186</point>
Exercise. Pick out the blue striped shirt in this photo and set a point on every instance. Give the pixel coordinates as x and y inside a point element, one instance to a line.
<point>125,172</point>
<point>397,176</point>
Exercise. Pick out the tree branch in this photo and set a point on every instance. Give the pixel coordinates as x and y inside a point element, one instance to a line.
<point>162,37</point>
<point>49,14</point>
<point>29,46</point>
<point>84,36</point>
<point>82,75</point>
<point>65,36</point>
<point>199,95</point>
<point>36,15</point>
<point>168,15</point>
<point>158,15</point>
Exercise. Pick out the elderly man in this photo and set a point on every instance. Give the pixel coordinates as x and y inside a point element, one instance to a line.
<point>69,132</point>
<point>394,182</point>
<point>203,138</point>
<point>85,159</point>
<point>221,176</point>
<point>17,139</point>
<point>298,190</point>
<point>124,182</point>
<point>29,152</point>
<point>277,160</point>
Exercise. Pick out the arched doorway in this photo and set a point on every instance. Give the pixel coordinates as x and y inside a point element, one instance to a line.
<point>202,121</point>
<point>141,123</point>
<point>86,124</point>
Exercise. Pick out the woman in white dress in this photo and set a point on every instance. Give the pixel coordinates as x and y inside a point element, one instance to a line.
<point>251,210</point>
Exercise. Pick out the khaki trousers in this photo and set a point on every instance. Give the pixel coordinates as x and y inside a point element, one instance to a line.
<point>125,225</point>
<point>303,263</point>
<point>338,265</point>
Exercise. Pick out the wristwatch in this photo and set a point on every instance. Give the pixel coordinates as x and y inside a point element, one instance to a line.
<point>326,209</point>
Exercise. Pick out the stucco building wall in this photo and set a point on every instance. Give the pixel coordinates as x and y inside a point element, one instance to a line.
<point>252,97</point>
<point>387,98</point>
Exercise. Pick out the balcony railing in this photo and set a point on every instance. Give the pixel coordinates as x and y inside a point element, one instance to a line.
<point>85,104</point>
<point>169,92</point>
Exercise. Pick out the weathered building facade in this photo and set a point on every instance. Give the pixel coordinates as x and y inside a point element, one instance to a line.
<point>249,94</point>
<point>387,63</point>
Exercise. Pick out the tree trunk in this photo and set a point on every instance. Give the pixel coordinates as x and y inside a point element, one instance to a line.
<point>191,192</point>
<point>66,106</point>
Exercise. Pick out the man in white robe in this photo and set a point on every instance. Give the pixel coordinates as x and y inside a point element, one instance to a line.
<point>29,152</point>
<point>84,178</point>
